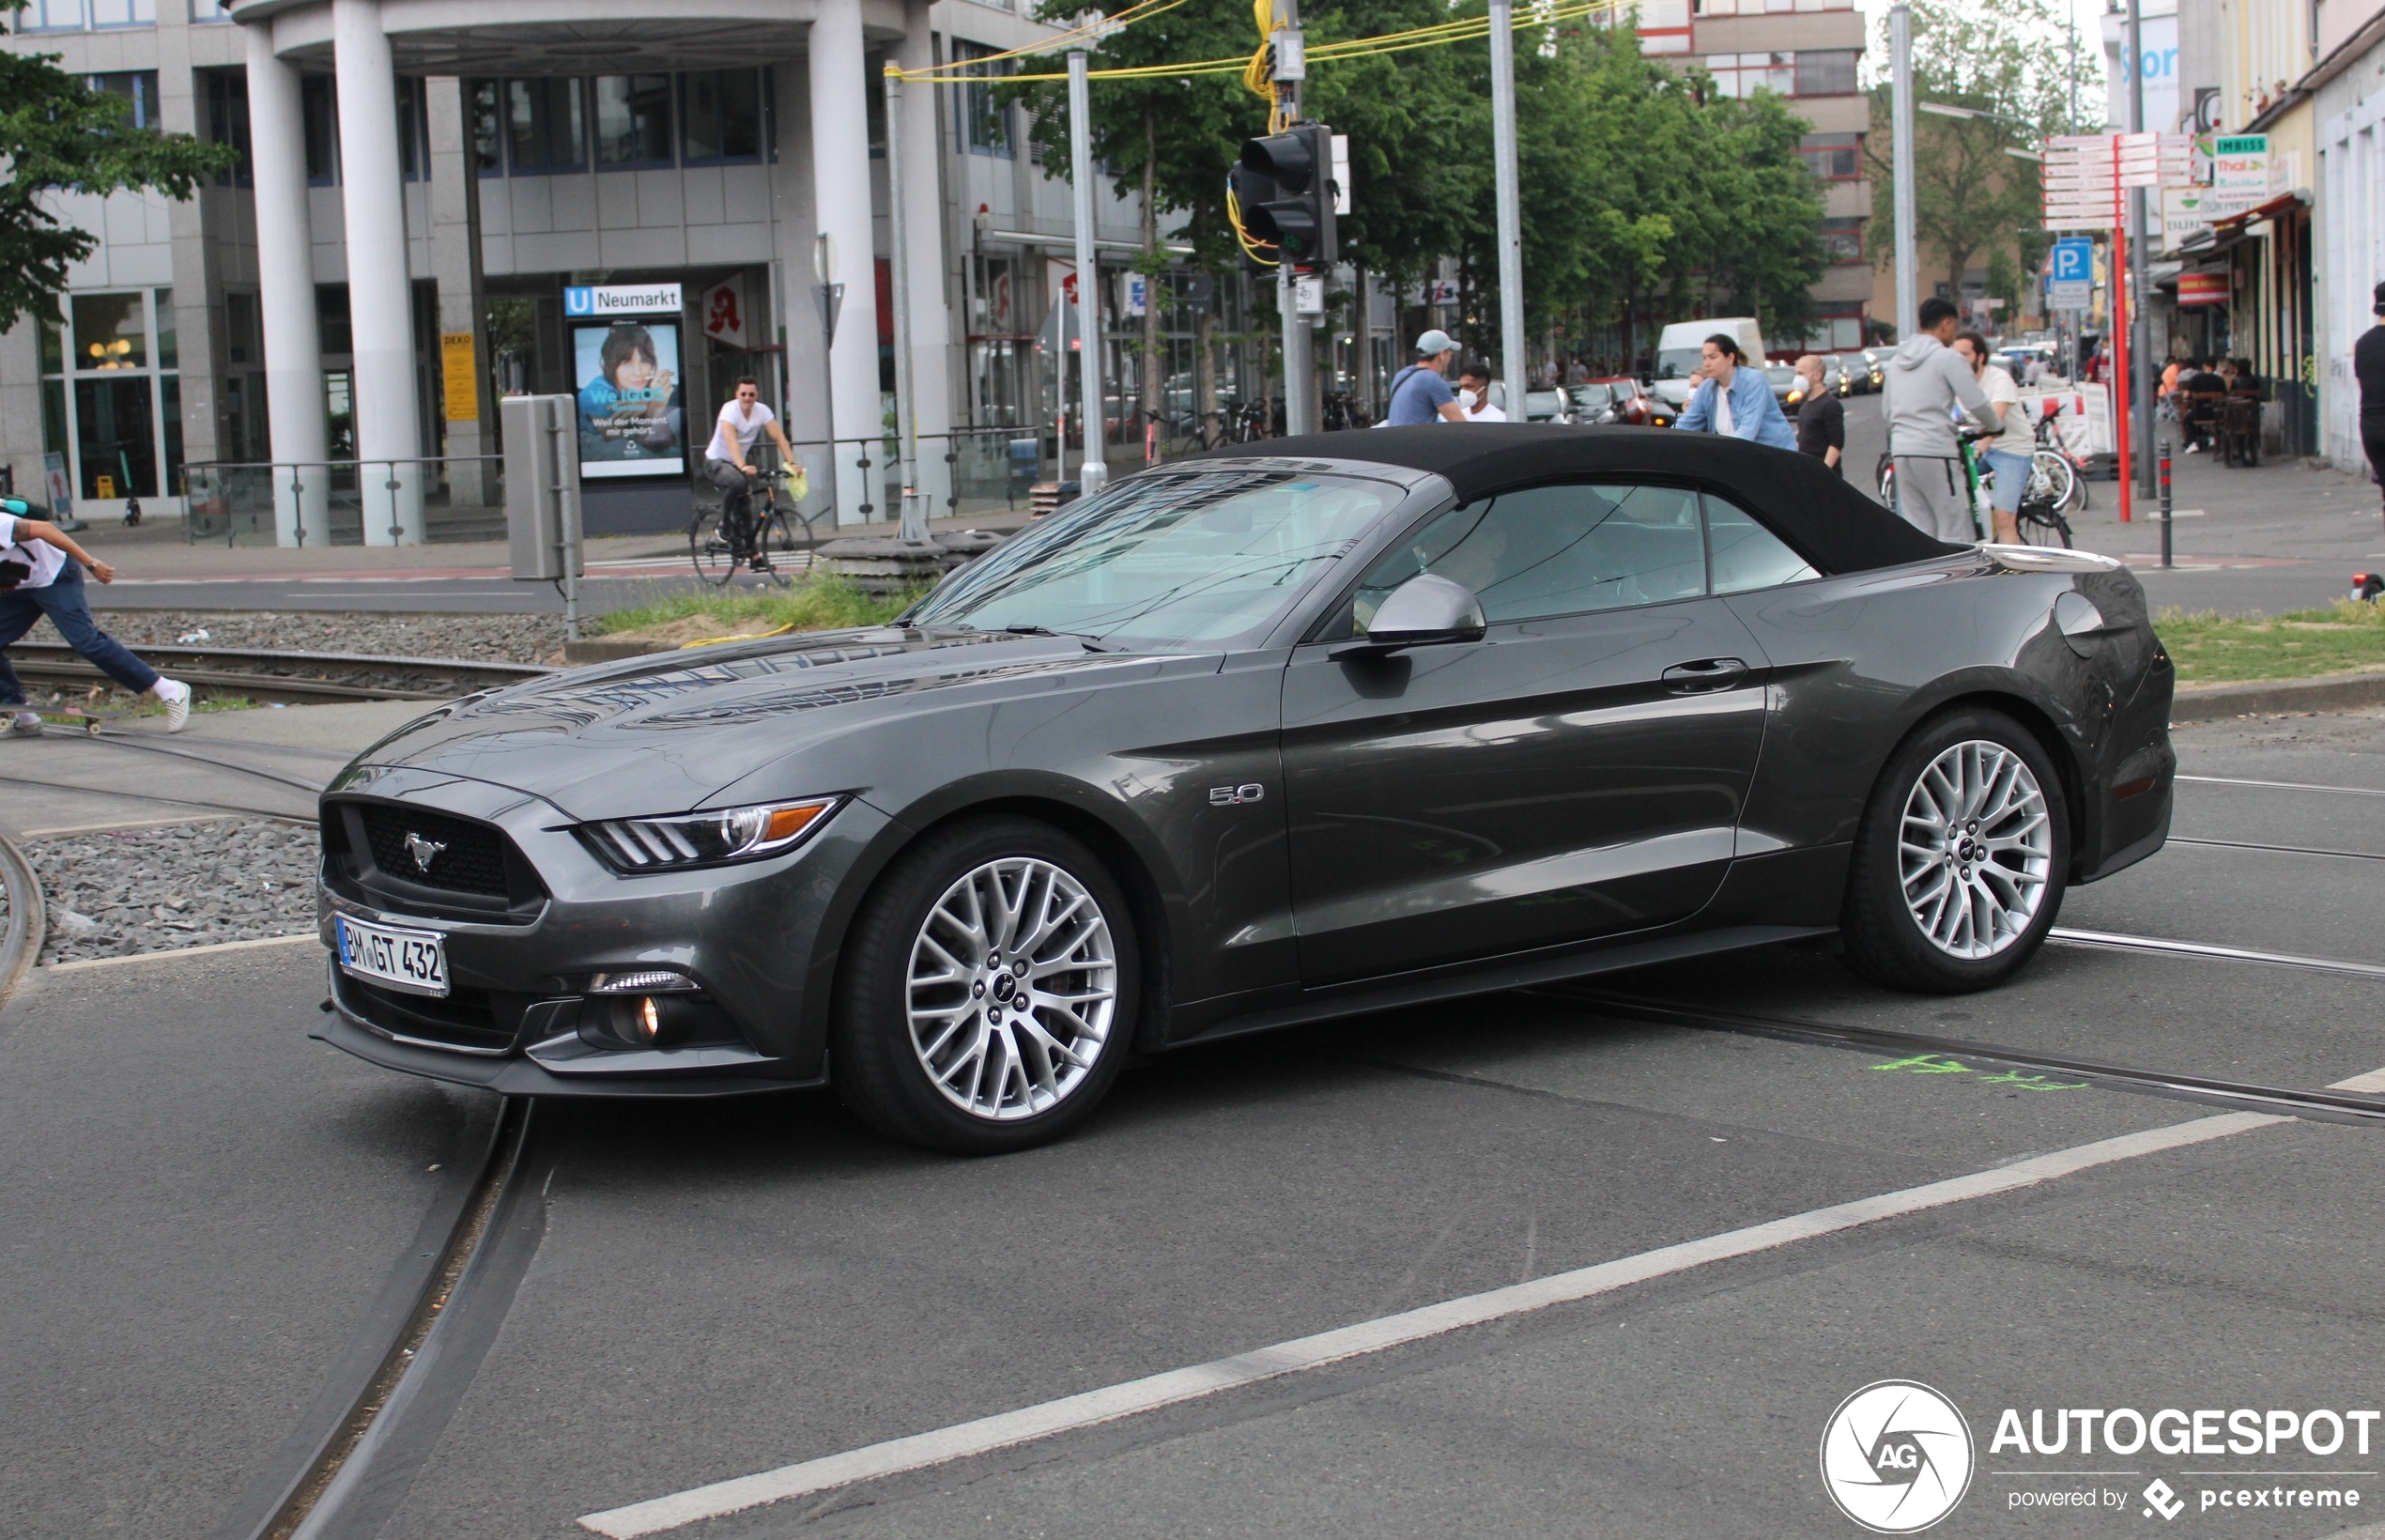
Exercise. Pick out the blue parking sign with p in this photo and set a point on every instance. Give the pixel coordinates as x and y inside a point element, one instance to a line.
<point>2073,260</point>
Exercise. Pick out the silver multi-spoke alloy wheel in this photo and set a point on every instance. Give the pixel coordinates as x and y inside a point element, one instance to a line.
<point>1976,848</point>
<point>1012,989</point>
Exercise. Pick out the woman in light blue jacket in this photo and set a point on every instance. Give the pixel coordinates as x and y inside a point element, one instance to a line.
<point>1735,399</point>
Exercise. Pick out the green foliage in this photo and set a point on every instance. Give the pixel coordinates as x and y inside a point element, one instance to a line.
<point>1637,181</point>
<point>2015,61</point>
<point>58,135</point>
<point>824,603</point>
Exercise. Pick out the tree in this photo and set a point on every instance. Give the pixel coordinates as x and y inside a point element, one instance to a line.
<point>58,135</point>
<point>1972,199</point>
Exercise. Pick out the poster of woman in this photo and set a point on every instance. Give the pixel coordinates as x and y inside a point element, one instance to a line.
<point>632,415</point>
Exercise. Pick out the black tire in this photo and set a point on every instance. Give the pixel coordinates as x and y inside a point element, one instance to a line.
<point>709,548</point>
<point>882,1074</point>
<point>1886,938</point>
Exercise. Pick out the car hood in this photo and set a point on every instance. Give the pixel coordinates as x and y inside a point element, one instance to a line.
<point>670,731</point>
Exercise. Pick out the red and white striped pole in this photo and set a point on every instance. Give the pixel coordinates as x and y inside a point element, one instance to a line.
<point>2120,332</point>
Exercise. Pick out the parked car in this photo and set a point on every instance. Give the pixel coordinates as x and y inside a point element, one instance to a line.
<point>1855,373</point>
<point>1788,386</point>
<point>1619,399</point>
<point>1268,735</point>
<point>1550,405</point>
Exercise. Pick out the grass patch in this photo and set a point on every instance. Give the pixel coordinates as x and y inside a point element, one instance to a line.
<point>826,603</point>
<point>2212,649</point>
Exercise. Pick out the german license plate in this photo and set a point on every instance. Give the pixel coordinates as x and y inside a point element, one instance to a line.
<point>413,961</point>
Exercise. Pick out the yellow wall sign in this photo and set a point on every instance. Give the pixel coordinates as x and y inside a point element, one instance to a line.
<point>460,378</point>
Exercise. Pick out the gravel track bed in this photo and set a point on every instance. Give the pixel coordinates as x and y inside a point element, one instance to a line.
<point>184,884</point>
<point>490,639</point>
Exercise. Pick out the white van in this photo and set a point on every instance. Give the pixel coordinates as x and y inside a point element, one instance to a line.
<point>1679,352</point>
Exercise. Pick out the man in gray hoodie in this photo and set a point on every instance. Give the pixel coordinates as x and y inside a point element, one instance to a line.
<point>1926,380</point>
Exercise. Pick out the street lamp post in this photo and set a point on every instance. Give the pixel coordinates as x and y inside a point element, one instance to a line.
<point>1908,258</point>
<point>1092,472</point>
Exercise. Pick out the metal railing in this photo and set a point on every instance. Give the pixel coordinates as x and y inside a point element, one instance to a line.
<point>422,500</point>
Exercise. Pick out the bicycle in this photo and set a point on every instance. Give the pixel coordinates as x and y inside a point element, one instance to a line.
<point>720,540</point>
<point>1342,411</point>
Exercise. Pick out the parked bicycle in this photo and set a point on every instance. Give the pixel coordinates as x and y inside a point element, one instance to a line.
<point>1342,411</point>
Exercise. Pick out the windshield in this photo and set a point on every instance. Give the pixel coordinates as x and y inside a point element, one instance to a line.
<point>1677,363</point>
<point>1204,559</point>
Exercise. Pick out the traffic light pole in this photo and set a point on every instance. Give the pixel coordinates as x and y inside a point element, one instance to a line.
<point>1299,342</point>
<point>1091,426</point>
<point>1510,224</point>
<point>1908,262</point>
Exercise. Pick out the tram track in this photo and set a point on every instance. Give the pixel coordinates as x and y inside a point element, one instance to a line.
<point>2329,1105</point>
<point>269,674</point>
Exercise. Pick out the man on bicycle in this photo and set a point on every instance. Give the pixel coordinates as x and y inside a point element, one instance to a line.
<point>729,463</point>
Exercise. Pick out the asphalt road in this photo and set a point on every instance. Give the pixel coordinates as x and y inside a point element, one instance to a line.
<point>205,1204</point>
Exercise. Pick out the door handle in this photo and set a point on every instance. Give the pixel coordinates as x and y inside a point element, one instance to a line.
<point>1707,674</point>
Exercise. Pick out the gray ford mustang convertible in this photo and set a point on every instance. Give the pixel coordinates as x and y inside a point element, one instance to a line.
<point>1245,740</point>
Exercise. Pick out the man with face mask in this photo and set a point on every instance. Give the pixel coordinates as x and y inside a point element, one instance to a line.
<point>1473,394</point>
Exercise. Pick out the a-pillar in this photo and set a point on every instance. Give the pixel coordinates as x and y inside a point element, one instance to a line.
<point>931,277</point>
<point>841,202</point>
<point>285,298</point>
<point>381,302</point>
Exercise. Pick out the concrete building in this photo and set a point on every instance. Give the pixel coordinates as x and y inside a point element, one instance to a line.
<point>1808,51</point>
<point>443,200</point>
<point>2347,95</point>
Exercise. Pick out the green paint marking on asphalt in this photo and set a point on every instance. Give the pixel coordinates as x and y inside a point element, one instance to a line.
<point>1938,1064</point>
<point>1928,1064</point>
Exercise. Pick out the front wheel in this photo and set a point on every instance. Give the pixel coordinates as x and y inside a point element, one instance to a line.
<point>987,995</point>
<point>1960,861</point>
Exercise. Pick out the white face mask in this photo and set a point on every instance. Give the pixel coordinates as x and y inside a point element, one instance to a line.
<point>1470,399</point>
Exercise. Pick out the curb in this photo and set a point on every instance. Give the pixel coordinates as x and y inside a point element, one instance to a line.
<point>2277,697</point>
<point>608,649</point>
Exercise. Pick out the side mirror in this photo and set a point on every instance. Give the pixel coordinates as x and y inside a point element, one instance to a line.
<point>1424,611</point>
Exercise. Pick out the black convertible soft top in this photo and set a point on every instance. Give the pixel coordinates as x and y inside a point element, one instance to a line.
<point>1835,527</point>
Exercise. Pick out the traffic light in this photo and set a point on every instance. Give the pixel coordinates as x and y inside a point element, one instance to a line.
<point>1284,187</point>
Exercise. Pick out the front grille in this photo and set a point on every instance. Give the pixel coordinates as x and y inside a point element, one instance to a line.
<point>471,858</point>
<point>468,1017</point>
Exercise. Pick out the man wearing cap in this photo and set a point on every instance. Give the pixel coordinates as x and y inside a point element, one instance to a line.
<point>2368,367</point>
<point>1420,393</point>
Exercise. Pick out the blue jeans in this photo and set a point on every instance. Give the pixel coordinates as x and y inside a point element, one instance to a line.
<point>63,601</point>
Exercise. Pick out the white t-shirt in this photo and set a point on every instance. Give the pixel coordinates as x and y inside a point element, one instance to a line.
<point>43,558</point>
<point>1487,413</point>
<point>1722,407</point>
<point>2019,436</point>
<point>748,430</point>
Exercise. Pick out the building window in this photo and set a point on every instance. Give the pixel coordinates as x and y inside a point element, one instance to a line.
<point>240,330</point>
<point>111,334</point>
<point>210,10</point>
<point>1833,157</point>
<point>546,126</point>
<point>633,120</point>
<point>413,128</point>
<point>226,94</point>
<point>1843,238</point>
<point>85,15</point>
<point>1744,74</point>
<point>318,114</point>
<point>720,115</point>
<point>985,123</point>
<point>1826,71</point>
<point>118,356</point>
<point>136,89</point>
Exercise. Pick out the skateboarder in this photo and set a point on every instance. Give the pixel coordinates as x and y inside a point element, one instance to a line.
<point>42,573</point>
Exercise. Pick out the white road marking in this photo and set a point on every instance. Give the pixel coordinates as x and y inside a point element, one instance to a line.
<point>1091,1408</point>
<point>174,952</point>
<point>2202,948</point>
<point>2281,785</point>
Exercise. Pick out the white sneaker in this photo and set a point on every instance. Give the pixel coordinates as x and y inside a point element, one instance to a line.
<point>176,696</point>
<point>24,724</point>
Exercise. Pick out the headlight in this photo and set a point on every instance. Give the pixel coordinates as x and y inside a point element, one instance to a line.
<point>707,839</point>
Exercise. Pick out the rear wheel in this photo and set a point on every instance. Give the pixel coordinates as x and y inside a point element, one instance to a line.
<point>988,990</point>
<point>709,547</point>
<point>1959,863</point>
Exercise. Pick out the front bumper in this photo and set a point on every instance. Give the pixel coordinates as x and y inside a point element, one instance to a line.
<point>753,937</point>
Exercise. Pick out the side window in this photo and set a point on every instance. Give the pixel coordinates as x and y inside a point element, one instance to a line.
<point>1746,555</point>
<point>1556,550</point>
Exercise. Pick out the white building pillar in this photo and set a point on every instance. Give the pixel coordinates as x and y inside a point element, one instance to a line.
<point>285,298</point>
<point>380,294</point>
<point>930,276</point>
<point>841,196</point>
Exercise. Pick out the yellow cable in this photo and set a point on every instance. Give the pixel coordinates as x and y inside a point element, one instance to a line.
<point>755,636</point>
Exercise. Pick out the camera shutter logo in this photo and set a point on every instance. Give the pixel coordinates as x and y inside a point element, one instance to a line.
<point>1896,1456</point>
